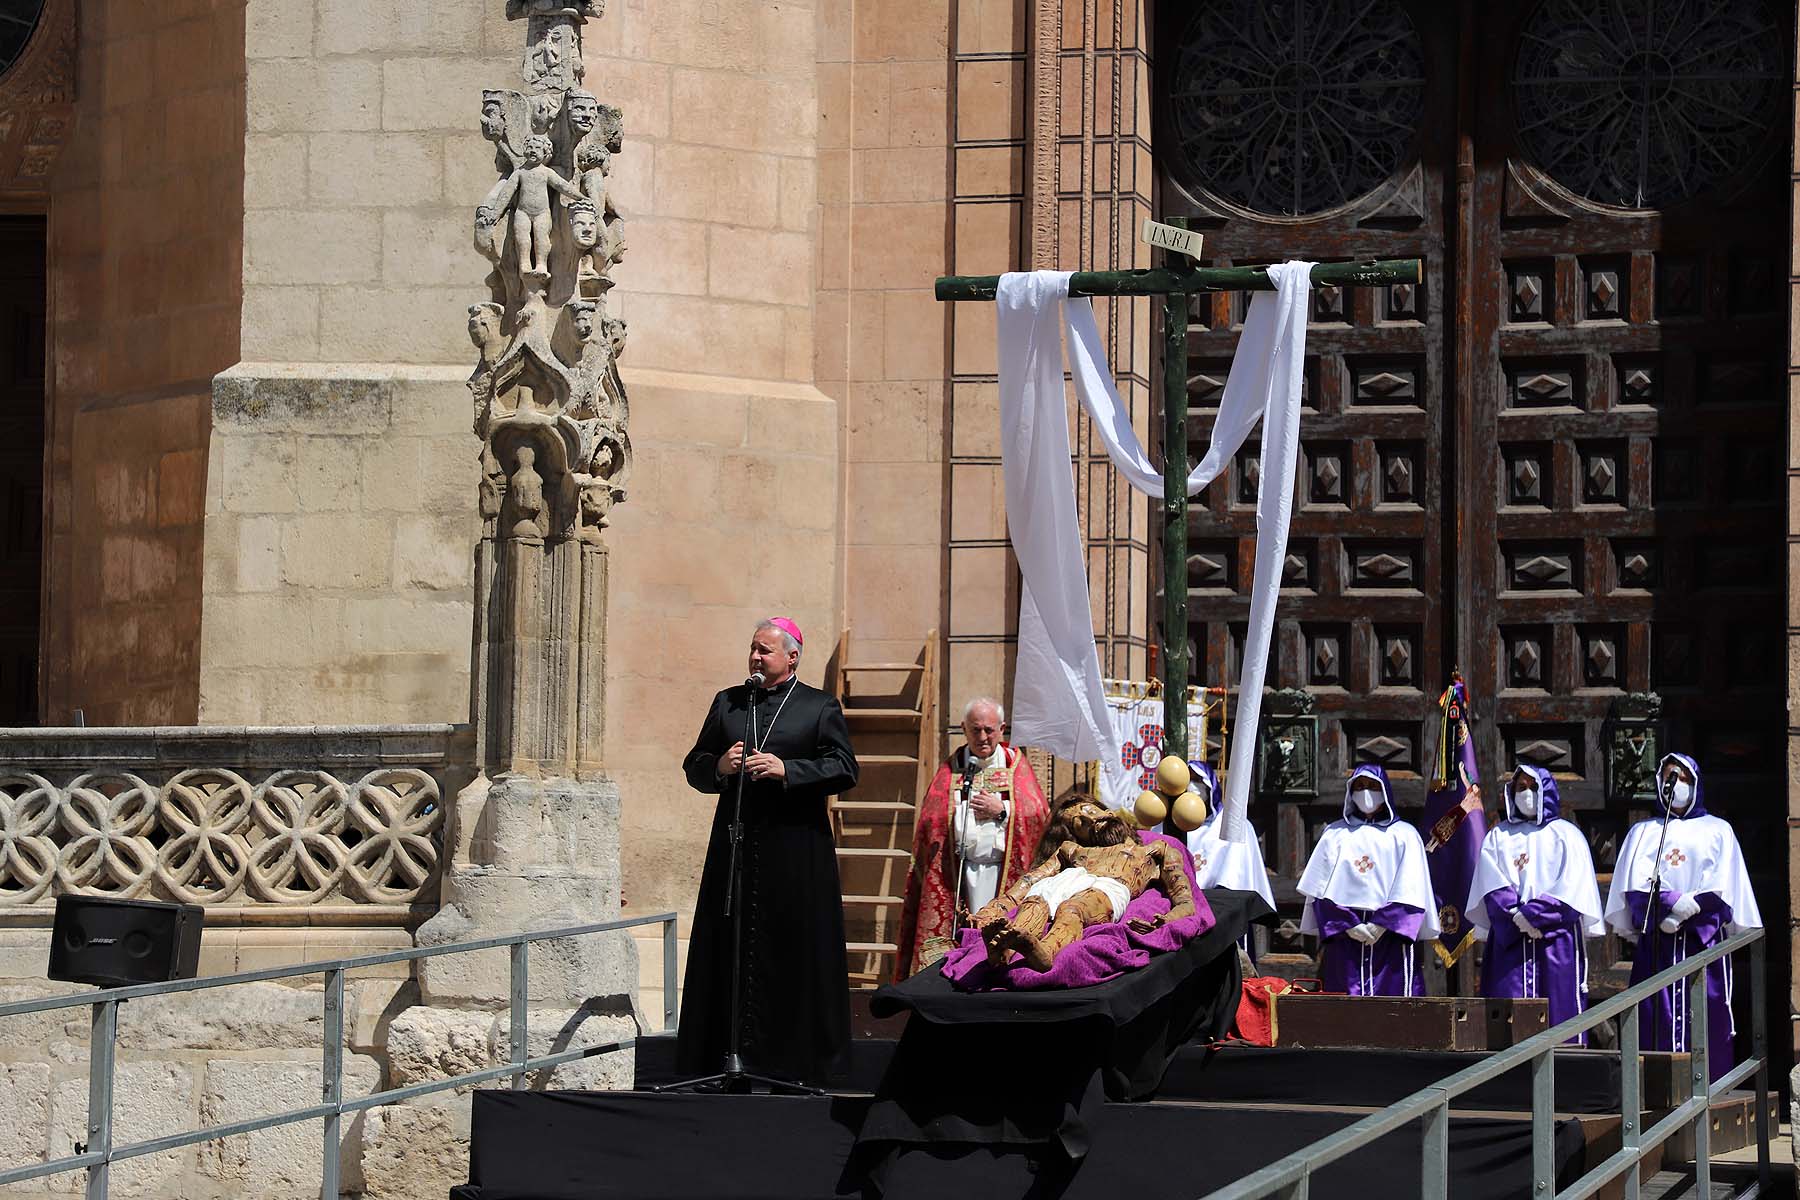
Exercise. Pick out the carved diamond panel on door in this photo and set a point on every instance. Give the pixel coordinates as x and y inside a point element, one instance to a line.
<point>1555,463</point>
<point>1361,622</point>
<point>1624,351</point>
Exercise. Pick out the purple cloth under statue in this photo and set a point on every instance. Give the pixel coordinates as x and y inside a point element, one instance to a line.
<point>1104,952</point>
<point>1535,870</point>
<point>1369,894</point>
<point>1702,888</point>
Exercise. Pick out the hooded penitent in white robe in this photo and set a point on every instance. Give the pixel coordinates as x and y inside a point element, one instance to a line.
<point>1368,873</point>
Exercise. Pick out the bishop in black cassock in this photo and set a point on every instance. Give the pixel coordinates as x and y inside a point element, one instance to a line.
<point>794,998</point>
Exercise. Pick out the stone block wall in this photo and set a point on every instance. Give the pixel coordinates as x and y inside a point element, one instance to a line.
<point>189,1060</point>
<point>340,527</point>
<point>145,230</point>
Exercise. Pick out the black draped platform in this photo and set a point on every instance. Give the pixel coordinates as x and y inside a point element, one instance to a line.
<point>1587,1081</point>
<point>1032,1067</point>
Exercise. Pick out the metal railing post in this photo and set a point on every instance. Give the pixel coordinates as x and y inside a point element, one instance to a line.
<point>1543,1125</point>
<point>1631,1094</point>
<point>669,997</point>
<point>515,1048</point>
<point>1697,1020</point>
<point>1759,1046</point>
<point>101,1044</point>
<point>1435,1152</point>
<point>331,1090</point>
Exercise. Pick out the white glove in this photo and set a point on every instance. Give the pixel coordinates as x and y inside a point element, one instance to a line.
<point>1670,924</point>
<point>1366,933</point>
<point>1685,908</point>
<point>1526,927</point>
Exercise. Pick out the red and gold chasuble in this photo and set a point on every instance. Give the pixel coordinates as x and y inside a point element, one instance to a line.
<point>931,884</point>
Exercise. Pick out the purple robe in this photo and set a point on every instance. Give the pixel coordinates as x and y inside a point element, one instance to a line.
<point>1369,868</point>
<point>1553,967</point>
<point>1388,967</point>
<point>1545,858</point>
<point>1688,852</point>
<point>1664,1022</point>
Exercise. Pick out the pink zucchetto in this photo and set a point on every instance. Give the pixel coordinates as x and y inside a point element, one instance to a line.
<point>788,627</point>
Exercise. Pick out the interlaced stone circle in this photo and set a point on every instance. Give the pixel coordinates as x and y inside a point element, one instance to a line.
<point>1643,103</point>
<point>209,835</point>
<point>1295,108</point>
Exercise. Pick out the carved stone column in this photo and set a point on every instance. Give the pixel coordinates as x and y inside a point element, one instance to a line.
<point>535,839</point>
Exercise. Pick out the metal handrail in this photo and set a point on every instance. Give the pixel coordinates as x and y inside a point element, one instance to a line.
<point>99,1153</point>
<point>1289,1177</point>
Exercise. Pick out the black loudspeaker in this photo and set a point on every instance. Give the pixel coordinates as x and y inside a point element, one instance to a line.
<point>113,943</point>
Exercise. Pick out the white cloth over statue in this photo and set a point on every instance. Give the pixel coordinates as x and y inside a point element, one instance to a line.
<point>1059,700</point>
<point>1070,882</point>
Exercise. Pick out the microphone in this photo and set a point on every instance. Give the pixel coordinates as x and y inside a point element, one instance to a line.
<point>756,680</point>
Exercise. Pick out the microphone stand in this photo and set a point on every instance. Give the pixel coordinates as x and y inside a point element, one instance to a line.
<point>733,1077</point>
<point>959,826</point>
<point>1668,788</point>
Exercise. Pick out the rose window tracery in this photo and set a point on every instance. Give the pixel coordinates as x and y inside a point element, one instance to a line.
<point>1643,103</point>
<point>1295,107</point>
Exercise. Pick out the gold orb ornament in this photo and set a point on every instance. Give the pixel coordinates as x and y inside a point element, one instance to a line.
<point>1189,812</point>
<point>1172,775</point>
<point>1150,810</point>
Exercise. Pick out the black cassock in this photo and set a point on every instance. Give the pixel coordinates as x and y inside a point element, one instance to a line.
<point>795,1002</point>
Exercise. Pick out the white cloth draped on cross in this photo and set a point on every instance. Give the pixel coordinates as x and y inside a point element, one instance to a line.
<point>1059,701</point>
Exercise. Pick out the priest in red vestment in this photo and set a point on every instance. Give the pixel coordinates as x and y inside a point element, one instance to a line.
<point>991,834</point>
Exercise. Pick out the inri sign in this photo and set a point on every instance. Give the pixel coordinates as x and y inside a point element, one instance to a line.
<point>1168,237</point>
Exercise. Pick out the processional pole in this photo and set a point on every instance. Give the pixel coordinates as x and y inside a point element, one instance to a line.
<point>1175,284</point>
<point>1175,529</point>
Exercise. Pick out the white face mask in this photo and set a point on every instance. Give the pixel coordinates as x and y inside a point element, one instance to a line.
<point>1525,803</point>
<point>1367,800</point>
<point>1681,796</point>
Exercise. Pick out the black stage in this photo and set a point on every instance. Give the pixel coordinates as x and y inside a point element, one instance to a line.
<point>594,1145</point>
<point>1106,1091</point>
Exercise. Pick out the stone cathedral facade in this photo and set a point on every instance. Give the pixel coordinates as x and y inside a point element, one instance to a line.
<point>325,322</point>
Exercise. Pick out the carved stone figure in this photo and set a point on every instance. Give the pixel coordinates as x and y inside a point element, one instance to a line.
<point>586,10</point>
<point>492,491</point>
<point>582,109</point>
<point>484,331</point>
<point>527,192</point>
<point>584,223</point>
<point>526,494</point>
<point>533,363</point>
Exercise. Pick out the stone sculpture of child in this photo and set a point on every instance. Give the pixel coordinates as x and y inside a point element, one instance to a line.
<point>527,190</point>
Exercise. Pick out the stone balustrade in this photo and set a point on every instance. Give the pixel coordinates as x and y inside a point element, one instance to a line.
<point>315,825</point>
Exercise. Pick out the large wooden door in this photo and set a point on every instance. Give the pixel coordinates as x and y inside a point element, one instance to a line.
<point>1557,463</point>
<point>22,302</point>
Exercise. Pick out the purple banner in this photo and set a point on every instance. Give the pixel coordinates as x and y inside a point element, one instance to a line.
<point>1455,822</point>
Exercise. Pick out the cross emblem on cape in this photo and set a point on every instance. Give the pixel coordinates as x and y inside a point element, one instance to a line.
<point>1520,859</point>
<point>1674,857</point>
<point>1363,864</point>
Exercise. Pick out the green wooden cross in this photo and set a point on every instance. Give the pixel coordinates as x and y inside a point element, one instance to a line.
<point>1175,284</point>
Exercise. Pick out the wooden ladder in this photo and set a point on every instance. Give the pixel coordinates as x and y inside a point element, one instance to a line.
<point>891,708</point>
